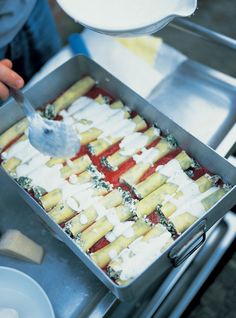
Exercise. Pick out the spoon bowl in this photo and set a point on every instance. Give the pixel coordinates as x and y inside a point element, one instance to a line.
<point>50,137</point>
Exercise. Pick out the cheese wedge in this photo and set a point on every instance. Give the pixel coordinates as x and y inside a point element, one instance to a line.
<point>14,243</point>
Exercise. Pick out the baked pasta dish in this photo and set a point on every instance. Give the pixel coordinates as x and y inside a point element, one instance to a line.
<point>128,193</point>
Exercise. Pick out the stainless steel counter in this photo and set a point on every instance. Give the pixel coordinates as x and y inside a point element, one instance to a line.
<point>70,286</point>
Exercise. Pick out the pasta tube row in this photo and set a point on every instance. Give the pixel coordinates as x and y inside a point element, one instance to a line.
<point>188,192</point>
<point>114,132</point>
<point>147,205</point>
<point>82,221</point>
<point>129,146</point>
<point>78,89</point>
<point>76,166</point>
<point>68,118</point>
<point>103,226</point>
<point>75,91</point>
<point>103,256</point>
<point>89,117</point>
<point>69,207</point>
<point>90,176</point>
<point>140,209</point>
<point>35,174</point>
<point>145,161</point>
<point>186,215</point>
<point>172,172</point>
<point>10,161</point>
<point>77,197</point>
<point>133,260</point>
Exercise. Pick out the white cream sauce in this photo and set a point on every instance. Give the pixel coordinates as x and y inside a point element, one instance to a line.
<point>189,192</point>
<point>73,179</point>
<point>148,156</point>
<point>170,168</point>
<point>73,204</point>
<point>31,165</point>
<point>179,178</point>
<point>83,219</point>
<point>112,254</point>
<point>195,206</point>
<point>132,143</point>
<point>47,178</point>
<point>22,150</point>
<point>141,254</point>
<point>79,104</point>
<point>100,210</point>
<point>118,230</point>
<point>112,217</point>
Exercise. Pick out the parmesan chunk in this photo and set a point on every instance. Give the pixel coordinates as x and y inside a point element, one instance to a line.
<point>14,243</point>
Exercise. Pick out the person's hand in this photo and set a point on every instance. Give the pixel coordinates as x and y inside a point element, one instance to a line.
<point>8,78</point>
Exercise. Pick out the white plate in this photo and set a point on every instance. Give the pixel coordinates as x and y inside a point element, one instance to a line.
<point>126,17</point>
<point>22,293</point>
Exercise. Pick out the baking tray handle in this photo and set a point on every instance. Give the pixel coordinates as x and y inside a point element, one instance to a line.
<point>188,244</point>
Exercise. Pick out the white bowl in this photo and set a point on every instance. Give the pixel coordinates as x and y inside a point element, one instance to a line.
<point>20,292</point>
<point>127,17</point>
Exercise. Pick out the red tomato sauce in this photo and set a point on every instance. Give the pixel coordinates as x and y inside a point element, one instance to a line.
<point>198,173</point>
<point>96,91</point>
<point>100,244</point>
<point>114,148</point>
<point>83,151</point>
<point>154,218</point>
<point>154,143</point>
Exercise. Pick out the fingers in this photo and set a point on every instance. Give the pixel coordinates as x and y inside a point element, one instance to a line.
<point>9,77</point>
<point>7,63</point>
<point>4,92</point>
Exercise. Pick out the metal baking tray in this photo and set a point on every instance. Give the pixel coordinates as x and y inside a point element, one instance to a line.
<point>58,81</point>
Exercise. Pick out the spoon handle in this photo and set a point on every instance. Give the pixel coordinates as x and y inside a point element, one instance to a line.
<point>23,102</point>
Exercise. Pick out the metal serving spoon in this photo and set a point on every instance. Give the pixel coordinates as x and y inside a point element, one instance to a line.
<point>53,138</point>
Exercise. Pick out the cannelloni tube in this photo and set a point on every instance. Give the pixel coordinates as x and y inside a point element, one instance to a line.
<point>129,146</point>
<point>61,213</point>
<point>11,164</point>
<point>103,256</point>
<point>51,199</point>
<point>85,218</point>
<point>78,89</point>
<point>117,104</point>
<point>75,91</point>
<point>102,226</point>
<point>135,124</point>
<point>150,202</point>
<point>91,175</point>
<point>181,162</point>
<point>55,161</point>
<point>13,132</point>
<point>75,203</point>
<point>10,160</point>
<point>35,171</point>
<point>145,161</point>
<point>186,193</point>
<point>94,132</point>
<point>77,166</point>
<point>186,215</point>
<point>139,255</point>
